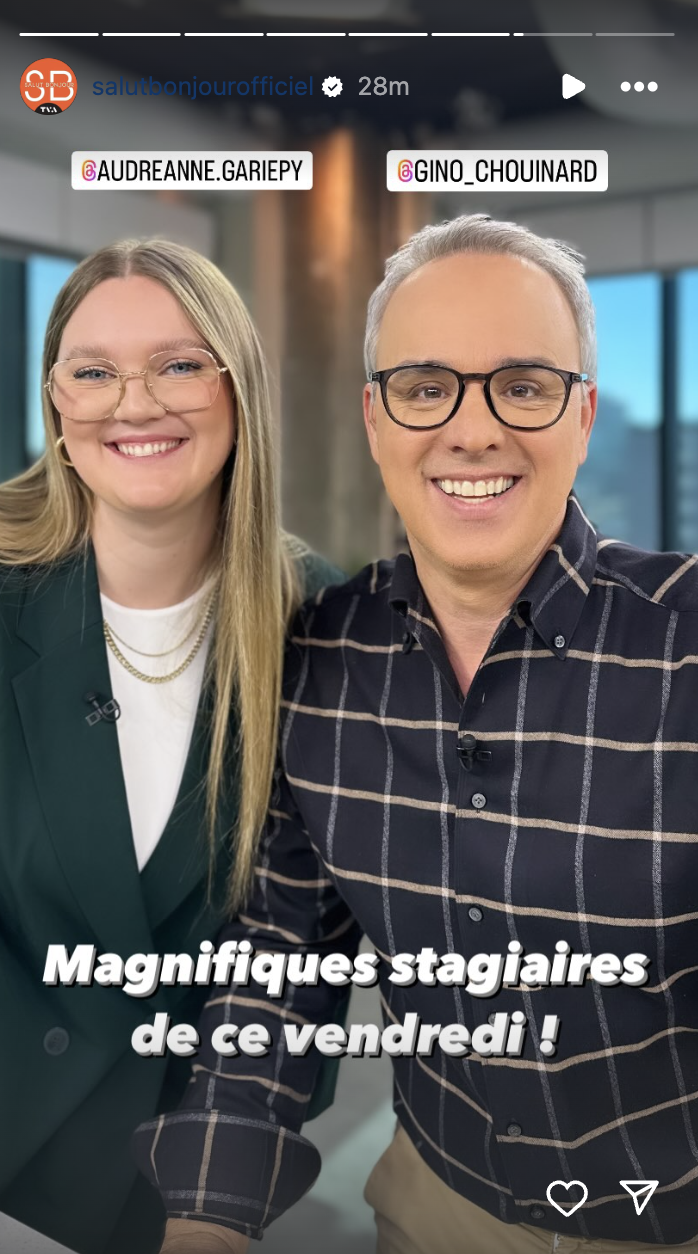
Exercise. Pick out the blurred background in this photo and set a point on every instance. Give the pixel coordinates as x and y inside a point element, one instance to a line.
<point>307,262</point>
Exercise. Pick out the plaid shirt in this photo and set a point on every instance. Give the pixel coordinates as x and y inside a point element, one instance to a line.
<point>576,821</point>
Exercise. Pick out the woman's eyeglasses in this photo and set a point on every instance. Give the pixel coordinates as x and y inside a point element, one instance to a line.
<point>90,389</point>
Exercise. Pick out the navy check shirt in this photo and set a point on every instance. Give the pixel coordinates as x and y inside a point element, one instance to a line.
<point>557,801</point>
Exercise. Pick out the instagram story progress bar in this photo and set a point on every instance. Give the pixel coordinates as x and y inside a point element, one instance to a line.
<point>192,171</point>
<point>515,170</point>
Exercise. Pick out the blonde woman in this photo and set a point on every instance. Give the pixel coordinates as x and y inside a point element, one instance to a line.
<point>145,585</point>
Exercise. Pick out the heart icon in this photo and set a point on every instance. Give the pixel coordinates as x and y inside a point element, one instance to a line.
<point>566,1210</point>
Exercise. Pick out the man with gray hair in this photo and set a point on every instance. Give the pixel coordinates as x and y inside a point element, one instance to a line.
<point>488,752</point>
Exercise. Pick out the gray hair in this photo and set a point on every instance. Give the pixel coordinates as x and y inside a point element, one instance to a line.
<point>478,233</point>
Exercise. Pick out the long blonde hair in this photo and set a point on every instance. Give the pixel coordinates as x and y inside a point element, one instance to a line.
<point>45,516</point>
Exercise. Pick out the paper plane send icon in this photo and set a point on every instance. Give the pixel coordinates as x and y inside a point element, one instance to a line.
<point>571,85</point>
<point>640,1191</point>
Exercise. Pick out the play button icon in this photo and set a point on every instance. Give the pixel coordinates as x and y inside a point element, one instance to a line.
<point>571,86</point>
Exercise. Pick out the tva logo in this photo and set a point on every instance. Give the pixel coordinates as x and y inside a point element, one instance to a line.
<point>48,86</point>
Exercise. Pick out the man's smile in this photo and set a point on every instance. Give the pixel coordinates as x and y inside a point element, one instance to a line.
<point>476,487</point>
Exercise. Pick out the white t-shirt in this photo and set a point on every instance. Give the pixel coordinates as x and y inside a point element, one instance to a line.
<point>157,720</point>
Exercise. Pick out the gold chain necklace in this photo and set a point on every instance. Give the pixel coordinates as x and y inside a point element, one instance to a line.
<point>162,679</point>
<point>166,652</point>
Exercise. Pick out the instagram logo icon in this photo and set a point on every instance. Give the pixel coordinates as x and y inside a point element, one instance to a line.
<point>89,170</point>
<point>404,170</point>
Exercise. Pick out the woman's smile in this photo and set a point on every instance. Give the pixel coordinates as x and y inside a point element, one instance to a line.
<point>146,447</point>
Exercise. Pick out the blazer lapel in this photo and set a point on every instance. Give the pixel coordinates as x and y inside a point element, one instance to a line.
<point>76,764</point>
<point>179,864</point>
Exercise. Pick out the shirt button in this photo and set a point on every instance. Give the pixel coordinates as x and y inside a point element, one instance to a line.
<point>559,642</point>
<point>56,1041</point>
<point>514,1129</point>
<point>479,800</point>
<point>537,1212</point>
<point>475,913</point>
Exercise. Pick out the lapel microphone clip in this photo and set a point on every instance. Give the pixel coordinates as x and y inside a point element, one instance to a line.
<point>109,710</point>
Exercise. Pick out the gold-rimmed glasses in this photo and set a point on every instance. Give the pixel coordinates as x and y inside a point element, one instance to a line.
<point>90,389</point>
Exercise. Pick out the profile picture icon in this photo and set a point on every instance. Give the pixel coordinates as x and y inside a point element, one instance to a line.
<point>48,86</point>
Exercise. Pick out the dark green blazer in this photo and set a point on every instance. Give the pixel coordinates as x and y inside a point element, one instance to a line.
<point>71,1089</point>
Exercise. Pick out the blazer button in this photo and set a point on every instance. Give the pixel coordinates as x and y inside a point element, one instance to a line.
<point>56,1041</point>
<point>537,1212</point>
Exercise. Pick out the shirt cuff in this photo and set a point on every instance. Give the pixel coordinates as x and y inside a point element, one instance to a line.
<point>225,1169</point>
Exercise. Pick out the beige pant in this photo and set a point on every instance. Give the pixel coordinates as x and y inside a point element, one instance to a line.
<point>416,1213</point>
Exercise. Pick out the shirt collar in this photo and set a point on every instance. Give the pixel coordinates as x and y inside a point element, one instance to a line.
<point>552,600</point>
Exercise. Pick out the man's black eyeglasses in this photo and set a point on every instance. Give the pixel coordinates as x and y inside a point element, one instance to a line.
<point>525,396</point>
